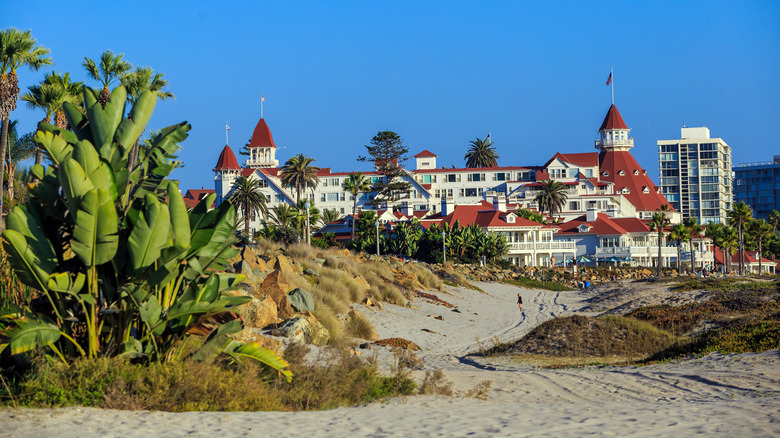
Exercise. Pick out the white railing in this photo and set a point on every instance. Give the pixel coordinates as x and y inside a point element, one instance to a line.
<point>666,251</point>
<point>541,246</point>
<point>611,142</point>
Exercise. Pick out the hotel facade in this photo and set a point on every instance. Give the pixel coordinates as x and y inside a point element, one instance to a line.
<point>608,182</point>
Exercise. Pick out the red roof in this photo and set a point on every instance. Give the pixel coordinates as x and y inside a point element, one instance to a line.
<point>584,159</point>
<point>227,160</point>
<point>424,154</point>
<point>750,257</point>
<point>604,225</point>
<point>262,137</point>
<point>194,196</point>
<point>613,162</point>
<point>613,120</point>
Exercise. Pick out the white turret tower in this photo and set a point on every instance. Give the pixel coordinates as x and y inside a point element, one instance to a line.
<point>226,172</point>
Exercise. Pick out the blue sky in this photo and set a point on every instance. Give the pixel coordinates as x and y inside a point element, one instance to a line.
<point>438,73</point>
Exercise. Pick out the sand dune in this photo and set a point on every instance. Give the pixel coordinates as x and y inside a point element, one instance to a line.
<point>735,395</point>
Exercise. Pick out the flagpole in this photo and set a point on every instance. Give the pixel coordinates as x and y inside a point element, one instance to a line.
<point>227,128</point>
<point>612,83</point>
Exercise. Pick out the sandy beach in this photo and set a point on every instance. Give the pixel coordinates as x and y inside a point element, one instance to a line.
<point>734,395</point>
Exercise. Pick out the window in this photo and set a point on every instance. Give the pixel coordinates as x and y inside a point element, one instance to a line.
<point>574,205</point>
<point>425,163</point>
<point>476,177</point>
<point>471,192</point>
<point>621,173</point>
<point>426,179</point>
<point>452,178</point>
<point>279,198</point>
<point>500,176</point>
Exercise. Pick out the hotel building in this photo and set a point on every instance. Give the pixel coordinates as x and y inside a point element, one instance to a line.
<point>758,185</point>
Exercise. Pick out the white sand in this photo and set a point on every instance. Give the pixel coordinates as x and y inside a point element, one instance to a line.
<point>735,396</point>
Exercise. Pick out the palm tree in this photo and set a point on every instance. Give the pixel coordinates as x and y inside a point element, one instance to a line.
<point>50,95</point>
<point>329,215</point>
<point>551,197</point>
<point>111,68</point>
<point>282,215</point>
<point>695,230</point>
<point>774,220</point>
<point>481,154</point>
<point>658,222</point>
<point>715,232</point>
<point>19,148</point>
<point>298,172</point>
<point>729,242</point>
<point>17,49</point>
<point>761,230</point>
<point>246,196</point>
<point>679,233</point>
<point>739,217</point>
<point>143,79</point>
<point>356,184</point>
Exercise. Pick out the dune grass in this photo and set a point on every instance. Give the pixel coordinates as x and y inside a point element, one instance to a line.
<point>337,379</point>
<point>531,283</point>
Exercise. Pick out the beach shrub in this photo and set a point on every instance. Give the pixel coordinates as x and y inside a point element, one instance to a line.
<point>338,378</point>
<point>121,265</point>
<point>581,336</point>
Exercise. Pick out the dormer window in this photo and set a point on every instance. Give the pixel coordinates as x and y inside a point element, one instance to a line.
<point>584,228</point>
<point>645,189</point>
<point>605,173</point>
<point>644,171</point>
<point>510,218</point>
<point>621,173</point>
<point>636,172</point>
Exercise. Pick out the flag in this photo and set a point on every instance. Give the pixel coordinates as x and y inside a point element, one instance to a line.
<point>227,127</point>
<point>262,98</point>
<point>487,139</point>
<point>552,261</point>
<point>609,79</point>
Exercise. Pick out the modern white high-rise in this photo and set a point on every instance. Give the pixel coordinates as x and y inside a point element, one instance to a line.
<point>695,175</point>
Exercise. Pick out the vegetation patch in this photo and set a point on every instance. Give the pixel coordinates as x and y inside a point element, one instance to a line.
<point>433,299</point>
<point>398,342</point>
<point>581,336</point>
<point>338,379</point>
<point>530,283</point>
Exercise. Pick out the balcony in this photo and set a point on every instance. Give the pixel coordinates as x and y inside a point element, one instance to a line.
<point>541,246</point>
<point>636,251</point>
<point>610,142</point>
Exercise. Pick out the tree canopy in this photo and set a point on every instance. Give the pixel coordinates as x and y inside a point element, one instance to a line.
<point>388,153</point>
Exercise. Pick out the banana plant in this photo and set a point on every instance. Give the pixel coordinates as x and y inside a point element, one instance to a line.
<point>121,265</point>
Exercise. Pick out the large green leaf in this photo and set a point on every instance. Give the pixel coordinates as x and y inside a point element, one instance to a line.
<point>69,136</point>
<point>30,333</point>
<point>255,351</point>
<point>74,182</point>
<point>131,128</point>
<point>104,121</point>
<point>32,255</point>
<point>96,169</point>
<point>76,120</point>
<point>95,239</point>
<point>217,340</point>
<point>58,149</point>
<point>180,221</point>
<point>150,234</point>
<point>65,282</point>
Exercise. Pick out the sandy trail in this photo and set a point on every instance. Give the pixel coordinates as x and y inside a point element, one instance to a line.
<point>735,395</point>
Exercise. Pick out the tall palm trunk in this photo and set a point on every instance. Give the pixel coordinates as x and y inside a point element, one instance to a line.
<point>354,209</point>
<point>741,247</point>
<point>693,257</point>
<point>3,147</point>
<point>39,150</point>
<point>246,219</point>
<point>658,263</point>
<point>759,255</point>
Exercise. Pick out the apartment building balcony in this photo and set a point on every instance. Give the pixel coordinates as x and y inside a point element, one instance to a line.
<point>541,246</point>
<point>635,251</point>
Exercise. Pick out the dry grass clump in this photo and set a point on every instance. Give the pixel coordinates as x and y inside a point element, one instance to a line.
<point>428,279</point>
<point>388,293</point>
<point>435,384</point>
<point>337,281</point>
<point>360,327</point>
<point>301,252</point>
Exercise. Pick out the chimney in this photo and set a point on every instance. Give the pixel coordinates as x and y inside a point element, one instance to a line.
<point>499,202</point>
<point>591,214</point>
<point>407,209</point>
<point>446,205</point>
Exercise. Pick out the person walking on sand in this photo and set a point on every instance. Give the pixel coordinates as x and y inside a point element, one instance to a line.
<point>520,300</point>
